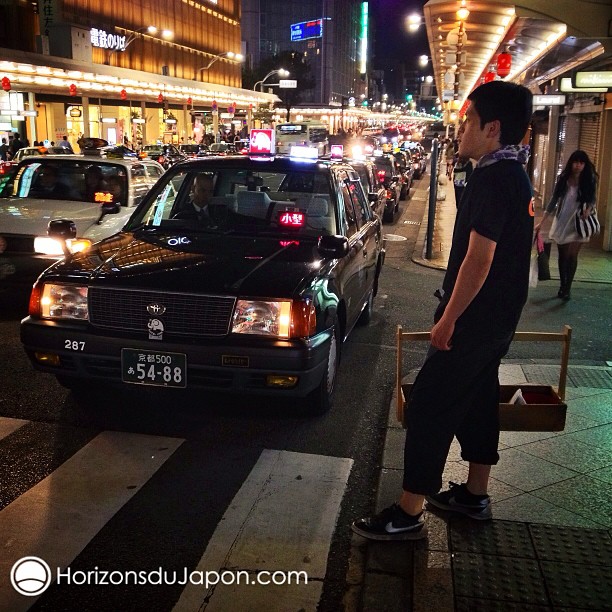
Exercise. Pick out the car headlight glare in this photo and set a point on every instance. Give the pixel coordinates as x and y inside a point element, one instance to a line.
<point>45,245</point>
<point>64,302</point>
<point>262,318</point>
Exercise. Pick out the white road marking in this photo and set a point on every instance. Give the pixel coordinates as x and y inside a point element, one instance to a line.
<point>282,519</point>
<point>59,516</point>
<point>8,426</point>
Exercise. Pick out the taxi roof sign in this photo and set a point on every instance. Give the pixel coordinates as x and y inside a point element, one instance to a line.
<point>262,143</point>
<point>337,151</point>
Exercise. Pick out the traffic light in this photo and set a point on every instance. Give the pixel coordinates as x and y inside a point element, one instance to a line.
<point>408,97</point>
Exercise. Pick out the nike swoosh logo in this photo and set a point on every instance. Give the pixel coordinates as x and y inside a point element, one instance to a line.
<point>389,528</point>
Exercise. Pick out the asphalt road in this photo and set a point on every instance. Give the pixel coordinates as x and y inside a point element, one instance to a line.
<point>175,514</point>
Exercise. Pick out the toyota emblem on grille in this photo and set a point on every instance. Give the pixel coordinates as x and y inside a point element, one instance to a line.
<point>156,309</point>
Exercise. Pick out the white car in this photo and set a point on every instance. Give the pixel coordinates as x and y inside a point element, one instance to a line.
<point>37,151</point>
<point>84,189</point>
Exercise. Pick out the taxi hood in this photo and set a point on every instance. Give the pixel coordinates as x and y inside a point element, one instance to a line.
<point>201,262</point>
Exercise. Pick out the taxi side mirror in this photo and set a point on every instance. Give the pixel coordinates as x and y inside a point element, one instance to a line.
<point>333,247</point>
<point>62,230</point>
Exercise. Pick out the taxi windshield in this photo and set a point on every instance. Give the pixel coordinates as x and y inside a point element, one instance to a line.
<point>74,180</point>
<point>241,201</point>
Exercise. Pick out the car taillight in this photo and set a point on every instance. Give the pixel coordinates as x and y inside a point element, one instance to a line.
<point>303,319</point>
<point>34,305</point>
<point>381,175</point>
<point>160,159</point>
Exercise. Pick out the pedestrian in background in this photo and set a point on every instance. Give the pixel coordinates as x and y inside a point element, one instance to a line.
<point>456,393</point>
<point>575,189</point>
<point>65,144</point>
<point>4,150</point>
<point>461,173</point>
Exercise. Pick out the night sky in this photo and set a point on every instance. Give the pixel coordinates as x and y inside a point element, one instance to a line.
<point>392,37</point>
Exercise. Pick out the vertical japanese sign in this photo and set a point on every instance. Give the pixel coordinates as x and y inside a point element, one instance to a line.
<point>48,15</point>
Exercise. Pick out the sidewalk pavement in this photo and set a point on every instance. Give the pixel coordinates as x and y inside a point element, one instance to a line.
<point>549,546</point>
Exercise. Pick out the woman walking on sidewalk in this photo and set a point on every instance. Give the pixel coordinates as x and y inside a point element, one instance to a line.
<point>575,189</point>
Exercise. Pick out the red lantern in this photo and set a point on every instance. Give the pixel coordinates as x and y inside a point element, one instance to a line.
<point>489,76</point>
<point>190,101</point>
<point>6,84</point>
<point>72,89</point>
<point>123,94</point>
<point>160,98</point>
<point>504,64</point>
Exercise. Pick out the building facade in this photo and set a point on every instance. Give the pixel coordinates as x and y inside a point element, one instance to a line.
<point>332,35</point>
<point>122,70</point>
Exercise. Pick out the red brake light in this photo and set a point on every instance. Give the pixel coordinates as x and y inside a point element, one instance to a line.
<point>381,175</point>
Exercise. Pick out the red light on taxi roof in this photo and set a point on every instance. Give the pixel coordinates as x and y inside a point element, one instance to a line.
<point>103,197</point>
<point>337,151</point>
<point>292,219</point>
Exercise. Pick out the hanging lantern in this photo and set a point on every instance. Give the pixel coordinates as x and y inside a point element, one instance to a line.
<point>190,101</point>
<point>489,76</point>
<point>123,94</point>
<point>6,84</point>
<point>72,89</point>
<point>160,98</point>
<point>504,64</point>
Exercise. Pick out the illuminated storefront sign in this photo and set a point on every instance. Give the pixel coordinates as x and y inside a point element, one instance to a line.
<point>307,29</point>
<point>594,79</point>
<point>105,40</point>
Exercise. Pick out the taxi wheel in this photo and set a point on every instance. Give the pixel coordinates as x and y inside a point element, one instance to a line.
<point>320,400</point>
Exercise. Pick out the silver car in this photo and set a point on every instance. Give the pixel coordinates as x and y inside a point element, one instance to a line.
<point>84,189</point>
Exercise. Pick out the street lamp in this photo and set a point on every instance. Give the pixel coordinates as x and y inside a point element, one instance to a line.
<point>234,57</point>
<point>167,34</point>
<point>281,72</point>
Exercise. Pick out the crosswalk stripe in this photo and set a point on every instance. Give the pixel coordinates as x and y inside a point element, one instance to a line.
<point>58,517</point>
<point>282,519</point>
<point>8,426</point>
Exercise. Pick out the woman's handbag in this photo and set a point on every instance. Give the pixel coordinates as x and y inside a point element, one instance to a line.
<point>543,249</point>
<point>587,227</point>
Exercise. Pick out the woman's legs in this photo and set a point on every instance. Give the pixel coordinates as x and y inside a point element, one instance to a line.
<point>568,262</point>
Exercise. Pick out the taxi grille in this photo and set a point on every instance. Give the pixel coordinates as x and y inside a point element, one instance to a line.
<point>185,314</point>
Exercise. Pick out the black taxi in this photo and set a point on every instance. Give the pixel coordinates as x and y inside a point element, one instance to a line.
<point>253,292</point>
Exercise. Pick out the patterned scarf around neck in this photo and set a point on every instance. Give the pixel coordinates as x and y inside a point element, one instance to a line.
<point>520,153</point>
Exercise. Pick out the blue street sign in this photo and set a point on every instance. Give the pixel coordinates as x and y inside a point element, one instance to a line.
<point>307,29</point>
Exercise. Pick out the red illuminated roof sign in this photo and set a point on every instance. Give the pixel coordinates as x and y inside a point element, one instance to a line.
<point>261,142</point>
<point>292,218</point>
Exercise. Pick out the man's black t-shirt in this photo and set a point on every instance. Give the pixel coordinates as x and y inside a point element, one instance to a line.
<point>497,203</point>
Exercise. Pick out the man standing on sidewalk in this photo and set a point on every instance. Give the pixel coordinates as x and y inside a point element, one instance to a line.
<point>485,288</point>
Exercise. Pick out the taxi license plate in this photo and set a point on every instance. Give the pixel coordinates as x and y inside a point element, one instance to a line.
<point>153,368</point>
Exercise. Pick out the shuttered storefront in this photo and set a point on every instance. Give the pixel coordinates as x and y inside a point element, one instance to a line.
<point>539,152</point>
<point>578,131</point>
<point>589,135</point>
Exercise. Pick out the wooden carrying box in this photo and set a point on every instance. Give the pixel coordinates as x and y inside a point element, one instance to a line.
<point>545,408</point>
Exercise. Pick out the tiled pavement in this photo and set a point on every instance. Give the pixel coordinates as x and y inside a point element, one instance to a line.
<point>549,546</point>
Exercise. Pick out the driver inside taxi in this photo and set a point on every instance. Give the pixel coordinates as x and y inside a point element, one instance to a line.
<point>198,207</point>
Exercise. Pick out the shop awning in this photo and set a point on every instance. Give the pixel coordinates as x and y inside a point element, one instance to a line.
<point>543,38</point>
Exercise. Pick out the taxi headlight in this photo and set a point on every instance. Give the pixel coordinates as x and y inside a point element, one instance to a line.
<point>64,302</point>
<point>44,245</point>
<point>262,318</point>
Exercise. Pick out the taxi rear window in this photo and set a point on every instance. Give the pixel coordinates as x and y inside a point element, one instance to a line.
<point>78,181</point>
